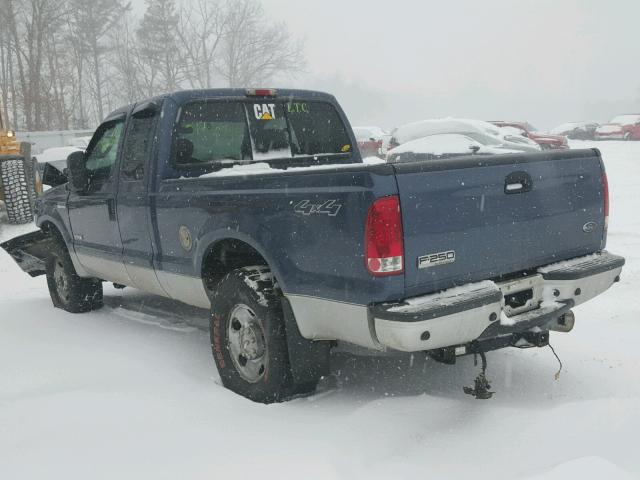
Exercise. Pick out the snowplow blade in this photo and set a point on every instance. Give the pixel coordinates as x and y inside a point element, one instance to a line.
<point>30,251</point>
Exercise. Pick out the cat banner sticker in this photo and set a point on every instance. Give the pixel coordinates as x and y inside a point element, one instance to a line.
<point>264,111</point>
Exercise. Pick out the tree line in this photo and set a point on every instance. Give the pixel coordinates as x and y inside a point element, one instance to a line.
<point>64,64</point>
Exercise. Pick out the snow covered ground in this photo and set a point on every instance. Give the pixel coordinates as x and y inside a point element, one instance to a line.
<point>131,392</point>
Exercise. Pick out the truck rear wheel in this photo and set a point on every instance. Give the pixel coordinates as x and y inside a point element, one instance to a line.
<point>68,291</point>
<point>18,196</point>
<point>248,337</point>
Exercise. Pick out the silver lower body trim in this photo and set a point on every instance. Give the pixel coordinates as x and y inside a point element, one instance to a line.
<point>322,319</point>
<point>189,290</point>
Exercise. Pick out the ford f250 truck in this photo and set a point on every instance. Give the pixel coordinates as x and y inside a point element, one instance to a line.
<point>256,204</point>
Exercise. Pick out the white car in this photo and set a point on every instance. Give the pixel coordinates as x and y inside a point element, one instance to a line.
<point>440,146</point>
<point>56,156</point>
<point>483,132</point>
<point>80,142</point>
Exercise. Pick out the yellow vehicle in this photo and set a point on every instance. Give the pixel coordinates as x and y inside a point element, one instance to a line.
<point>19,178</point>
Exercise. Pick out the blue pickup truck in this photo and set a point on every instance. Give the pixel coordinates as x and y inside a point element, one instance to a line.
<point>257,205</point>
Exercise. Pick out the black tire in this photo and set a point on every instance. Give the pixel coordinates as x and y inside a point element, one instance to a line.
<point>68,291</point>
<point>265,376</point>
<point>16,183</point>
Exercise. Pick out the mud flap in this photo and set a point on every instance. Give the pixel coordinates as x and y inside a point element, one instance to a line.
<point>309,360</point>
<point>30,251</point>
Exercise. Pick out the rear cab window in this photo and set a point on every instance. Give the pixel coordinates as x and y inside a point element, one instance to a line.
<point>210,135</point>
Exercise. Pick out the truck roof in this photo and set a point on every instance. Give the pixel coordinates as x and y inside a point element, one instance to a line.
<point>182,96</point>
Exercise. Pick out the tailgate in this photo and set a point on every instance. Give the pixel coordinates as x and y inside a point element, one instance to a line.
<point>471,219</point>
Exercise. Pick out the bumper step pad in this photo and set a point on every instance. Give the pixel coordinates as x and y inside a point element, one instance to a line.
<point>582,267</point>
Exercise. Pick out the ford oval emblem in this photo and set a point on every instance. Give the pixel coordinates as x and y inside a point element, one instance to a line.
<point>589,227</point>
<point>184,235</point>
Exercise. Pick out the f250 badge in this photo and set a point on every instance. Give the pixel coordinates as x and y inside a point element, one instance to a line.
<point>330,207</point>
<point>435,259</point>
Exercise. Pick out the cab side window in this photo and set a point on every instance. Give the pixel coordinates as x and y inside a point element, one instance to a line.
<point>138,144</point>
<point>101,156</point>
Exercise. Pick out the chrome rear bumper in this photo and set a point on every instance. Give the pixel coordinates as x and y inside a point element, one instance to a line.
<point>487,309</point>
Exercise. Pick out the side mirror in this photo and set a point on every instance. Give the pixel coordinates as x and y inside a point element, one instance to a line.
<point>76,172</point>
<point>52,176</point>
<point>474,148</point>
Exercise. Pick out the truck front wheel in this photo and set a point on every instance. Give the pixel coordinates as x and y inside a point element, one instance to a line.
<point>248,337</point>
<point>68,291</point>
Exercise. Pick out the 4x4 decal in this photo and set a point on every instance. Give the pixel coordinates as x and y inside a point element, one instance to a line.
<point>330,207</point>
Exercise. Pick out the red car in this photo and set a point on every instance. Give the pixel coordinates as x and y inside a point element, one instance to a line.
<point>371,141</point>
<point>545,140</point>
<point>622,127</point>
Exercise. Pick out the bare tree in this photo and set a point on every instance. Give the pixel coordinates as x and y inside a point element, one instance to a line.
<point>5,63</point>
<point>158,43</point>
<point>91,22</point>
<point>200,32</point>
<point>64,62</point>
<point>28,24</point>
<point>132,76</point>
<point>253,52</point>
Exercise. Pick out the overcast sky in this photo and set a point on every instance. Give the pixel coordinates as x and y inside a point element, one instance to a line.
<point>395,61</point>
<point>546,61</point>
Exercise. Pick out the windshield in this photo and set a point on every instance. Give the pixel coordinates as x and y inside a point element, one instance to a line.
<point>241,132</point>
<point>483,138</point>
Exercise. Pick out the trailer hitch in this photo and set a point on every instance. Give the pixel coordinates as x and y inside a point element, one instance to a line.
<point>481,389</point>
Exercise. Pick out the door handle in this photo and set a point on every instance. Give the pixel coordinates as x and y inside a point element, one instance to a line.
<point>518,182</point>
<point>111,207</point>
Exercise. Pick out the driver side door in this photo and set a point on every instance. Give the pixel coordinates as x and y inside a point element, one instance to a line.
<point>92,211</point>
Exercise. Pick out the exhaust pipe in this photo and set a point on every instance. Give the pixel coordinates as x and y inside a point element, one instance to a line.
<point>563,323</point>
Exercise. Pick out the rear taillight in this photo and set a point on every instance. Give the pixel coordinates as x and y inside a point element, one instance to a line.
<point>605,207</point>
<point>384,248</point>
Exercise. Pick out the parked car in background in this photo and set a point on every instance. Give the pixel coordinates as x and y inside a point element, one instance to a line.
<point>482,132</point>
<point>446,145</point>
<point>546,141</point>
<point>622,127</point>
<point>577,130</point>
<point>514,135</point>
<point>56,156</point>
<point>81,142</point>
<point>372,141</point>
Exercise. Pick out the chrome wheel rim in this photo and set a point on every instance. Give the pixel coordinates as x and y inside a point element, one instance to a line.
<point>61,280</point>
<point>246,343</point>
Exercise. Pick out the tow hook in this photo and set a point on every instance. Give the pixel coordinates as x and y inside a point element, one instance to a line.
<point>564,323</point>
<point>481,388</point>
